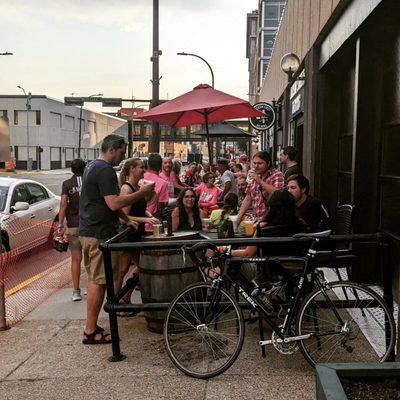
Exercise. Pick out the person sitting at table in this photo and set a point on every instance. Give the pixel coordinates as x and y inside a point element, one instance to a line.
<point>175,177</point>
<point>241,189</point>
<point>187,214</point>
<point>280,220</point>
<point>208,193</point>
<point>229,208</point>
<point>132,172</point>
<point>237,169</point>
<point>191,177</point>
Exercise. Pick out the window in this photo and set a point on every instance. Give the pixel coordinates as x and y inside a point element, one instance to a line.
<point>20,117</point>
<point>4,114</point>
<point>91,126</point>
<point>3,197</point>
<point>55,120</point>
<point>263,70</point>
<point>69,123</point>
<point>37,193</point>
<point>273,14</point>
<point>20,194</point>
<point>268,44</point>
<point>136,130</point>
<point>82,122</point>
<point>271,11</point>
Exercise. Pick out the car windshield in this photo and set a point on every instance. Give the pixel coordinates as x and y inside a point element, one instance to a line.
<point>3,197</point>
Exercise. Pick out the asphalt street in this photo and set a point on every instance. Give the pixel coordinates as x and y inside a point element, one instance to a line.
<point>51,179</point>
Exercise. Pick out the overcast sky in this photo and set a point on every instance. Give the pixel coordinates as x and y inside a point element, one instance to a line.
<point>104,46</point>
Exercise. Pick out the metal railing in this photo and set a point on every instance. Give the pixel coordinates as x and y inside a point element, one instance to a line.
<point>112,305</point>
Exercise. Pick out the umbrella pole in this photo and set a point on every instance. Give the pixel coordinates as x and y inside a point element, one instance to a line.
<point>210,156</point>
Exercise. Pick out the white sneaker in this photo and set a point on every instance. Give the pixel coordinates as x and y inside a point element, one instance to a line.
<point>76,295</point>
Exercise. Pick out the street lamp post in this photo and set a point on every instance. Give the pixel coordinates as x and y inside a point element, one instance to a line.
<point>80,124</point>
<point>28,107</point>
<point>201,58</point>
<point>290,63</point>
<point>182,53</point>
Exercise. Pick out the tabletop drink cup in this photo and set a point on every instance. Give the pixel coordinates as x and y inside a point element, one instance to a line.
<point>250,174</point>
<point>234,220</point>
<point>249,228</point>
<point>205,222</point>
<point>157,230</point>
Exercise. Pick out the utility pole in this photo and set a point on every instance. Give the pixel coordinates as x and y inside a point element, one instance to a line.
<point>28,107</point>
<point>155,137</point>
<point>80,132</point>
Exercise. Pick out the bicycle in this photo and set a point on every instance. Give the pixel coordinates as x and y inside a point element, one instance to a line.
<point>334,322</point>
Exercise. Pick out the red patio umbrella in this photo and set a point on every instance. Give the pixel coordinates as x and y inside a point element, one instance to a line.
<point>202,105</point>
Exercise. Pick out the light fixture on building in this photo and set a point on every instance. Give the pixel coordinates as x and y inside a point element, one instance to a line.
<point>290,63</point>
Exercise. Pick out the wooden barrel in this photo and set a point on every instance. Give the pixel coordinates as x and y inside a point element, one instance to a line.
<point>163,274</point>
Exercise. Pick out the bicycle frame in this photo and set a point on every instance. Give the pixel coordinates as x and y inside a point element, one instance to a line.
<point>295,301</point>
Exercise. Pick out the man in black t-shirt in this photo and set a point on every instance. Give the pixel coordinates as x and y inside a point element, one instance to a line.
<point>308,208</point>
<point>99,207</point>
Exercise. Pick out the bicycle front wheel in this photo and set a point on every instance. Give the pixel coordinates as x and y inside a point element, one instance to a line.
<point>346,322</point>
<point>203,330</point>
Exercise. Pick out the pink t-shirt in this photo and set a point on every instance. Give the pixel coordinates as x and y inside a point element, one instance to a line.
<point>161,189</point>
<point>207,195</point>
<point>170,183</point>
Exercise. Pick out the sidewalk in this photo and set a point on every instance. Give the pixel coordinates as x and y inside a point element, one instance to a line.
<point>43,358</point>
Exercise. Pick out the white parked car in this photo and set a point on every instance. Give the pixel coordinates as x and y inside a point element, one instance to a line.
<point>28,214</point>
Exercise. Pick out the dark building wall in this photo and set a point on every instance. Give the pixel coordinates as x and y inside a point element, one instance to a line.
<point>358,131</point>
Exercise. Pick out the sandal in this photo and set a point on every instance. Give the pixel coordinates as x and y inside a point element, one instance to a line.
<point>90,338</point>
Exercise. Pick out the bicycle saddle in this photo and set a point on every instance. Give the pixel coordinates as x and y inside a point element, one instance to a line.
<point>313,235</point>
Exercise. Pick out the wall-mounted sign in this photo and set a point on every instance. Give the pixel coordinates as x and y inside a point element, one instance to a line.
<point>265,122</point>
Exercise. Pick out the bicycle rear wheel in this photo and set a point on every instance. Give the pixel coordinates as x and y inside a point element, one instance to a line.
<point>203,330</point>
<point>354,325</point>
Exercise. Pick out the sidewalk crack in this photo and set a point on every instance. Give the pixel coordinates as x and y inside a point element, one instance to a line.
<point>34,352</point>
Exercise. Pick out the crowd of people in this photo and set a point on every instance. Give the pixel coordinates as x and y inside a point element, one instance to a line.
<point>95,204</point>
